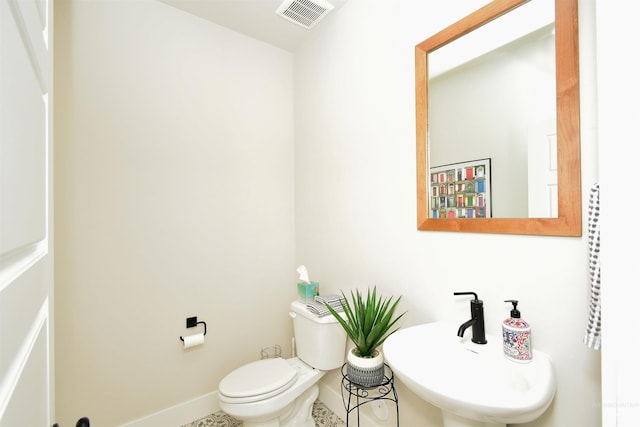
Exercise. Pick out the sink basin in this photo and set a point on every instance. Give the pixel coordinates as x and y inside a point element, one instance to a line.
<point>473,384</point>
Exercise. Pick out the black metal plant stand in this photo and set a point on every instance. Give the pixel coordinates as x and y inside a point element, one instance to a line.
<point>355,395</point>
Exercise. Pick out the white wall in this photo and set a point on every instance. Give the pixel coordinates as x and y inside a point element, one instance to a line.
<point>356,201</point>
<point>174,198</point>
<point>618,118</point>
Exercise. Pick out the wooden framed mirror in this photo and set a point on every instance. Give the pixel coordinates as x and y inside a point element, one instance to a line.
<point>567,219</point>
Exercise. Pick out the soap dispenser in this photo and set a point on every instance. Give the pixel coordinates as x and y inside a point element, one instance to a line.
<point>516,336</point>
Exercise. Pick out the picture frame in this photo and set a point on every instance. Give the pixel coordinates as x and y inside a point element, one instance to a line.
<point>461,190</point>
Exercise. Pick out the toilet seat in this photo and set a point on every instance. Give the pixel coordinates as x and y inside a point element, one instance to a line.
<point>257,381</point>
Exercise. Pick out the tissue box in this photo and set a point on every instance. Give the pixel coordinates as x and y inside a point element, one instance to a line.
<point>307,291</point>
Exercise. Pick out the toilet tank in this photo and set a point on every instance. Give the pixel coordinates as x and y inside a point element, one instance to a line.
<point>320,340</point>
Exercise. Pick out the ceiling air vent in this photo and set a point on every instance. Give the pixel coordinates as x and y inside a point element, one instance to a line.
<point>305,13</point>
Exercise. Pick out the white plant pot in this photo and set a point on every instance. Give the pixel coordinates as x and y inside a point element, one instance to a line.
<point>365,371</point>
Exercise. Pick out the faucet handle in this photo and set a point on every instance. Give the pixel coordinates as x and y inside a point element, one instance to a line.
<point>475,296</point>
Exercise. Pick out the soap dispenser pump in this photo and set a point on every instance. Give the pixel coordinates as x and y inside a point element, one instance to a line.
<point>516,336</point>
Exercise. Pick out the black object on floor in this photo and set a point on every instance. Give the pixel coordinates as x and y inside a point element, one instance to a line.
<point>82,422</point>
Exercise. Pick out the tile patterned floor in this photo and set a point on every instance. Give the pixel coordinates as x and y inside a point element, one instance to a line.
<point>321,414</point>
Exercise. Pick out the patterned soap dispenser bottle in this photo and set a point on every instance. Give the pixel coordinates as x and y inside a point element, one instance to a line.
<point>516,336</point>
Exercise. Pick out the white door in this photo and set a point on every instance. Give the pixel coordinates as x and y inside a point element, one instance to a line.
<point>543,170</point>
<point>26,271</point>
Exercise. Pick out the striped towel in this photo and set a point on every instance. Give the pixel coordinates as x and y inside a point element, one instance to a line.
<point>592,334</point>
<point>318,307</point>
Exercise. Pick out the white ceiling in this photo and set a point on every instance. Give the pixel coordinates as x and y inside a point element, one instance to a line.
<point>254,18</point>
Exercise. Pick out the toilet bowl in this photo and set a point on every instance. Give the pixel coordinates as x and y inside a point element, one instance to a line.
<point>280,392</point>
<point>267,391</point>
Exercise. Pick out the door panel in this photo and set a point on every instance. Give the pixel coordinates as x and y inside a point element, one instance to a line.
<point>29,402</point>
<point>543,170</point>
<point>26,273</point>
<point>23,132</point>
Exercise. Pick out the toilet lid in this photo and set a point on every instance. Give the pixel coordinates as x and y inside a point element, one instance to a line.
<point>260,379</point>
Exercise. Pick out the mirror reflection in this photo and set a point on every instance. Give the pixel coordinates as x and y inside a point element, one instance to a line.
<point>491,95</point>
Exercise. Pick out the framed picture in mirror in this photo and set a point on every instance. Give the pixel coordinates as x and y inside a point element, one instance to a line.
<point>461,190</point>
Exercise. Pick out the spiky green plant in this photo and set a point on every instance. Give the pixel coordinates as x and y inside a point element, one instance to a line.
<point>369,320</point>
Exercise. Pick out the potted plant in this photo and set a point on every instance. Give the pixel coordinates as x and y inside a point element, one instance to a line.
<point>369,322</point>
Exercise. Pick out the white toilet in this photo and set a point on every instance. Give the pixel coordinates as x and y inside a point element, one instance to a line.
<point>280,392</point>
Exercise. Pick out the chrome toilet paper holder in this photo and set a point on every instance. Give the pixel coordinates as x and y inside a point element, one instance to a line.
<point>192,322</point>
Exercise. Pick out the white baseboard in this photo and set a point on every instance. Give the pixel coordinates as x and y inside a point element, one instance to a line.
<point>207,404</point>
<point>180,414</point>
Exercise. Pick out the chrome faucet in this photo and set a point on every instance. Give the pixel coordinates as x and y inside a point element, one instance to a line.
<point>476,321</point>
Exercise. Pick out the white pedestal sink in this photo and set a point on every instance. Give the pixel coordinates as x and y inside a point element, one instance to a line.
<point>474,385</point>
